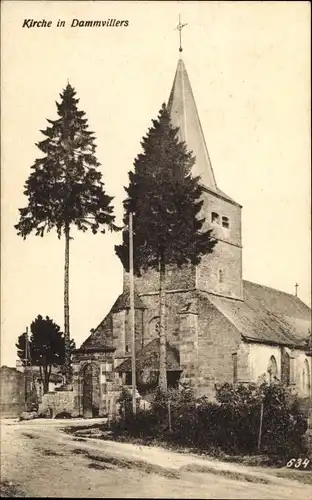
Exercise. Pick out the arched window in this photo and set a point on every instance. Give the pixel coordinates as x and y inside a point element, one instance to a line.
<point>306,378</point>
<point>272,369</point>
<point>226,222</point>
<point>153,327</point>
<point>215,218</point>
<point>220,276</point>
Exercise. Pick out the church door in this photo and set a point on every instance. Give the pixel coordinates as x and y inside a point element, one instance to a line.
<point>90,391</point>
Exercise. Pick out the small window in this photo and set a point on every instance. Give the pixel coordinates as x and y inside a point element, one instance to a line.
<point>220,276</point>
<point>127,348</point>
<point>215,219</point>
<point>226,222</point>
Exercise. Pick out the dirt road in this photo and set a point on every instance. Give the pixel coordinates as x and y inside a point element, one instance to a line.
<point>39,459</point>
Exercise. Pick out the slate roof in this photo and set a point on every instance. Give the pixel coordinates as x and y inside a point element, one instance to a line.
<point>148,357</point>
<point>266,315</point>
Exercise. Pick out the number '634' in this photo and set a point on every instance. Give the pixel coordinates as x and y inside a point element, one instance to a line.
<point>298,462</point>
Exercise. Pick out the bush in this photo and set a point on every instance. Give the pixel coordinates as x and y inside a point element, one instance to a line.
<point>283,421</point>
<point>230,425</point>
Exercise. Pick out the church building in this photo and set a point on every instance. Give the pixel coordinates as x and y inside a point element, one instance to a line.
<point>220,328</point>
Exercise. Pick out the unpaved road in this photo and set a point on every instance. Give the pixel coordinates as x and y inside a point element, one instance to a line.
<point>42,461</point>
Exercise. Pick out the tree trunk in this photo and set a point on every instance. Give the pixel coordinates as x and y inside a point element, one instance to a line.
<point>45,380</point>
<point>162,327</point>
<point>67,363</point>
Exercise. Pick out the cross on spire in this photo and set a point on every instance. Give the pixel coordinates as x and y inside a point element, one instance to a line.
<point>296,287</point>
<point>179,28</point>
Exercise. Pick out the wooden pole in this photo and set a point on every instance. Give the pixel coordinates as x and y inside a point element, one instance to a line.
<point>132,313</point>
<point>260,426</point>
<point>169,415</point>
<point>26,368</point>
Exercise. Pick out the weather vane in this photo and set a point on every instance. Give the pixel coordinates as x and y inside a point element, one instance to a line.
<point>180,27</point>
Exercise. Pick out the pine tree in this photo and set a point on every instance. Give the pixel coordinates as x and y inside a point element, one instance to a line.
<point>65,188</point>
<point>166,200</point>
<point>46,348</point>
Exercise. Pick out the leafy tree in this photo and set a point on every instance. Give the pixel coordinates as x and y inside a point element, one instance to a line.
<point>65,188</point>
<point>166,200</point>
<point>46,347</point>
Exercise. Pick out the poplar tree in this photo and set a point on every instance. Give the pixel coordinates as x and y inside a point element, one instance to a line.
<point>65,189</point>
<point>166,200</point>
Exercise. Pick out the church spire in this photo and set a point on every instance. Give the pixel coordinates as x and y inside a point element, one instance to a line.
<point>184,115</point>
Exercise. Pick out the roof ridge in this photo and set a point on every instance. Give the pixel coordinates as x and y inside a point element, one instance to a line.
<point>274,290</point>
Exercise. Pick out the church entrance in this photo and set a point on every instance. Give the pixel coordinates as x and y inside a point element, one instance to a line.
<point>90,391</point>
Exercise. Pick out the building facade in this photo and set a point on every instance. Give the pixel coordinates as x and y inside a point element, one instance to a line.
<point>220,328</point>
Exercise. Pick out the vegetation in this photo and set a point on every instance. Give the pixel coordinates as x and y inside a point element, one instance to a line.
<point>45,347</point>
<point>166,200</point>
<point>230,425</point>
<point>65,188</point>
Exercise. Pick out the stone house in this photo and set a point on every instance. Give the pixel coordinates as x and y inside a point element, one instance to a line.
<point>220,328</point>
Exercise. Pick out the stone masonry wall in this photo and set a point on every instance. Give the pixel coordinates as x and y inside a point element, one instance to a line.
<point>175,302</point>
<point>176,279</point>
<point>57,402</point>
<point>217,341</point>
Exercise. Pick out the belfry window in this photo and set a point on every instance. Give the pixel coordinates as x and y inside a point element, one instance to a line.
<point>215,218</point>
<point>226,222</point>
<point>220,276</point>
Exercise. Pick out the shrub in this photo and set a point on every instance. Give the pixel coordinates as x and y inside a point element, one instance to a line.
<point>231,424</point>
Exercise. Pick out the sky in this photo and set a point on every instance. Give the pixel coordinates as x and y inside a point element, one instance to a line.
<point>249,68</point>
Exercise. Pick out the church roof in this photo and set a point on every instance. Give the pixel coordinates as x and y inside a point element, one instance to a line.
<point>123,302</point>
<point>101,337</point>
<point>148,357</point>
<point>184,114</point>
<point>266,315</point>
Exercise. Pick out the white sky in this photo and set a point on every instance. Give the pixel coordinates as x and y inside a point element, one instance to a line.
<point>248,64</point>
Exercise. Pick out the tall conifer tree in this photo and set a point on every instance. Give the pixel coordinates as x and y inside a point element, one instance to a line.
<point>166,200</point>
<point>65,188</point>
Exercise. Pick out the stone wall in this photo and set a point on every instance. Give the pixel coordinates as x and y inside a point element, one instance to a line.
<point>12,392</point>
<point>54,403</point>
<point>218,340</point>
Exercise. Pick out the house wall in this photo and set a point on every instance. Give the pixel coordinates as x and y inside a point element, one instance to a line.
<point>259,357</point>
<point>259,360</point>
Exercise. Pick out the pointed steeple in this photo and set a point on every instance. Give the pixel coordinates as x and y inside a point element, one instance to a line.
<point>184,115</point>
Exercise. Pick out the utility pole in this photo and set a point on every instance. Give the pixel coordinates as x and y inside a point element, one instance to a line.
<point>26,369</point>
<point>132,312</point>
